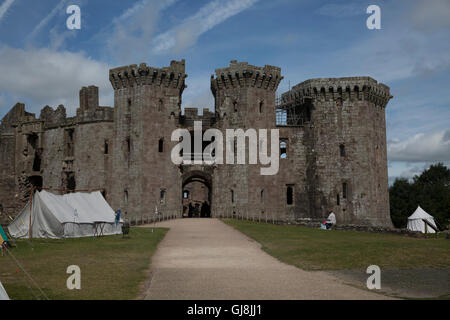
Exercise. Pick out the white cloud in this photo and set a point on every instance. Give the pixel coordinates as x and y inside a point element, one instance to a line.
<point>421,147</point>
<point>49,77</point>
<point>4,7</point>
<point>186,34</point>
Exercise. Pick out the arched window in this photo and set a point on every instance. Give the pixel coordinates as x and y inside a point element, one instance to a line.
<point>161,145</point>
<point>290,195</point>
<point>185,194</point>
<point>160,105</point>
<point>125,197</point>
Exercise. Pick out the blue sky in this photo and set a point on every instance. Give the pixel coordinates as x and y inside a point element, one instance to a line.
<point>44,63</point>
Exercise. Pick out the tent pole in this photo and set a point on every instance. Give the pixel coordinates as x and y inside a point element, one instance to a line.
<point>31,210</point>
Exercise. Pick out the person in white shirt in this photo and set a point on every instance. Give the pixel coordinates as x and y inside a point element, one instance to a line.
<point>331,220</point>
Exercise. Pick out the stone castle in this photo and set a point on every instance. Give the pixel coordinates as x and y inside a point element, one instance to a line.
<point>332,147</point>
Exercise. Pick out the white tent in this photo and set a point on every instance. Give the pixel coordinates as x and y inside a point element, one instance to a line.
<point>71,215</point>
<point>3,294</point>
<point>417,222</point>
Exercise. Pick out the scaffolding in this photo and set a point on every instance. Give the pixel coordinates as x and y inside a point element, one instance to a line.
<point>292,110</point>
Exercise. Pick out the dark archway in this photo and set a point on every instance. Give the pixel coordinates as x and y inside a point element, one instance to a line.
<point>196,194</point>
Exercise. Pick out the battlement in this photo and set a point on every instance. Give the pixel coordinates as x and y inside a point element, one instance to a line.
<point>89,98</point>
<point>191,115</point>
<point>131,76</point>
<point>348,88</point>
<point>241,74</point>
<point>53,117</point>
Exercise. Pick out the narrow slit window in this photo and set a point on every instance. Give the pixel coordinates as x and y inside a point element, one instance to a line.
<point>344,190</point>
<point>342,150</point>
<point>232,196</point>
<point>161,145</point>
<point>290,195</point>
<point>106,147</point>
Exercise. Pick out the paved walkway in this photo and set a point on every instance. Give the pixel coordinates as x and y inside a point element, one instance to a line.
<point>205,259</point>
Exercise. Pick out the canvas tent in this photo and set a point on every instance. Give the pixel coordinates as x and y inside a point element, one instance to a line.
<point>3,294</point>
<point>71,215</point>
<point>421,221</point>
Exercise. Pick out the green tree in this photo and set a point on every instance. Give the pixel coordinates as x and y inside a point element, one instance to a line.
<point>400,201</point>
<point>433,193</point>
<point>430,190</point>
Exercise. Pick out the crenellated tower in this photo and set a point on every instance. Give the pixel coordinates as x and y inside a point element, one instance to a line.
<point>147,104</point>
<point>345,144</point>
<point>244,99</point>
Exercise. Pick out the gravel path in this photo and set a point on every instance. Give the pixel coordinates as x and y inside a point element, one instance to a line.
<point>205,259</point>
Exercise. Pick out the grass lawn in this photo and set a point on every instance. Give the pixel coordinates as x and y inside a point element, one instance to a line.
<point>315,249</point>
<point>112,267</point>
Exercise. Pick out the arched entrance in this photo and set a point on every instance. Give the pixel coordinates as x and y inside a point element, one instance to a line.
<point>196,194</point>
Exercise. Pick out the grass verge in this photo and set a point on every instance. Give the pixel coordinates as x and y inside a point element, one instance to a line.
<point>112,267</point>
<point>315,249</point>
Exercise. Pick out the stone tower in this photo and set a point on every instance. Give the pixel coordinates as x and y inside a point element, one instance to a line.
<point>345,141</point>
<point>147,107</point>
<point>244,99</point>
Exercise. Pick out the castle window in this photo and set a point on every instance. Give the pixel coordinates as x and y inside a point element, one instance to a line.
<point>160,105</point>
<point>344,190</point>
<point>232,196</point>
<point>106,147</point>
<point>125,197</point>
<point>235,106</point>
<point>342,150</point>
<point>338,200</point>
<point>69,137</point>
<point>261,105</point>
<point>70,181</point>
<point>290,195</point>
<point>128,142</point>
<point>161,145</point>
<point>185,194</point>
<point>283,149</point>
<point>162,196</point>
<point>37,161</point>
<point>262,196</point>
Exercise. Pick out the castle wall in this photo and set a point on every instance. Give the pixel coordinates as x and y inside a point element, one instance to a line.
<point>335,157</point>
